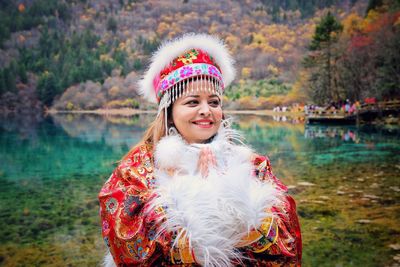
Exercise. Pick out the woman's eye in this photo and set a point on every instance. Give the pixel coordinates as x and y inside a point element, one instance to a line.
<point>214,103</point>
<point>192,102</point>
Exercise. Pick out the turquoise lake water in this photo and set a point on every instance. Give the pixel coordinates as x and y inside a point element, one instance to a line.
<point>345,179</point>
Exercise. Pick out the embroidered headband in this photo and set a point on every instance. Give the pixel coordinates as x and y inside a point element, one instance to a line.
<point>181,61</point>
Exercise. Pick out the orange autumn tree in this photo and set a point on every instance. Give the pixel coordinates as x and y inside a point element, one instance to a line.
<point>370,65</point>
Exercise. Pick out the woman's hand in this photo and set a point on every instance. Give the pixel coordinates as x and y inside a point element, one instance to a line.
<point>206,160</point>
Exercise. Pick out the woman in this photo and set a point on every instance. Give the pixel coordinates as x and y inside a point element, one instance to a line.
<point>188,194</point>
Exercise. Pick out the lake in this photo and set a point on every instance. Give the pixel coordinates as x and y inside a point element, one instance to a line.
<point>345,179</point>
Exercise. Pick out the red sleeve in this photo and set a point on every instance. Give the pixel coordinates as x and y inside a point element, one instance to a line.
<point>128,232</point>
<point>287,246</point>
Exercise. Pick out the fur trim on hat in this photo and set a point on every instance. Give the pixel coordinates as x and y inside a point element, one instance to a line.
<point>168,51</point>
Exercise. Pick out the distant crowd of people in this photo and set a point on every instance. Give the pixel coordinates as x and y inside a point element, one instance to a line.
<point>281,109</point>
<point>345,106</point>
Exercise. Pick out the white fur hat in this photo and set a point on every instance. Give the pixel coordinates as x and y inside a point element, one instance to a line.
<point>165,72</point>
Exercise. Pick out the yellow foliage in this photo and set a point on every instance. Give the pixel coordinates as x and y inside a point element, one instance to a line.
<point>259,39</point>
<point>352,24</point>
<point>276,99</point>
<point>287,47</point>
<point>122,46</point>
<point>210,13</point>
<point>259,13</point>
<point>291,40</point>
<point>213,28</point>
<point>334,35</point>
<point>69,106</point>
<point>273,69</point>
<point>167,18</point>
<point>269,49</point>
<point>105,57</point>
<point>299,92</point>
<point>248,102</point>
<point>126,103</point>
<point>127,33</point>
<point>91,11</point>
<point>297,14</point>
<point>163,28</point>
<point>371,17</point>
<point>232,41</point>
<point>281,59</point>
<point>114,91</point>
<point>246,72</point>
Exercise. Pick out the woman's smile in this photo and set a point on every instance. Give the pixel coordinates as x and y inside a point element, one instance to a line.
<point>204,123</point>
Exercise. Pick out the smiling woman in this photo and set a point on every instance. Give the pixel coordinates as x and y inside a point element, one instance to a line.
<point>188,194</point>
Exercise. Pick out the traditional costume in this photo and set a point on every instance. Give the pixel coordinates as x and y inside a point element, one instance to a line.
<point>158,210</point>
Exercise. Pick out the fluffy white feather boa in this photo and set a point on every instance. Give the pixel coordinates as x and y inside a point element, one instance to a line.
<point>213,212</point>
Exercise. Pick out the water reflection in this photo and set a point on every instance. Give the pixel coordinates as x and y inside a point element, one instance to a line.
<point>64,145</point>
<point>290,119</point>
<point>345,180</point>
<point>365,133</point>
<point>345,134</point>
<point>112,130</point>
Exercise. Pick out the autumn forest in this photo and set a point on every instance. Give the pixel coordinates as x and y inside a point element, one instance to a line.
<point>86,54</point>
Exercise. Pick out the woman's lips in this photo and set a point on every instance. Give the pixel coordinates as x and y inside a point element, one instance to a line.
<point>204,123</point>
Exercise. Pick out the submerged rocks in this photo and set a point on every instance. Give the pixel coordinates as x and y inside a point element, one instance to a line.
<point>305,184</point>
<point>364,221</point>
<point>394,246</point>
<point>371,196</point>
<point>395,188</point>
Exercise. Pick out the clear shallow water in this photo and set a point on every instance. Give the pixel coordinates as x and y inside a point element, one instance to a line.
<point>346,181</point>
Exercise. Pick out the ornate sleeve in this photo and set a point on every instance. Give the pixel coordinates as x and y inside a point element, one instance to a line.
<point>129,232</point>
<point>278,240</point>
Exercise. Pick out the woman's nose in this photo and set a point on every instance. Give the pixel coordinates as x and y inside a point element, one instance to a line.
<point>204,109</point>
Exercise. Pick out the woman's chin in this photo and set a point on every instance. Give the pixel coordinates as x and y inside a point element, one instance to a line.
<point>200,139</point>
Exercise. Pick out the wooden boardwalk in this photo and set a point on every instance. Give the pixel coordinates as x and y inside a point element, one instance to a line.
<point>367,112</point>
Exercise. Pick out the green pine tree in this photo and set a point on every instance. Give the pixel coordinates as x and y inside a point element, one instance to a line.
<point>47,88</point>
<point>321,60</point>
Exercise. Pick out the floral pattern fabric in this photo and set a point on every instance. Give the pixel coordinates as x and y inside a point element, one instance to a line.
<point>130,233</point>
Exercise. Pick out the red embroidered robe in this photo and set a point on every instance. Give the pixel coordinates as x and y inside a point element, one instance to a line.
<point>130,235</point>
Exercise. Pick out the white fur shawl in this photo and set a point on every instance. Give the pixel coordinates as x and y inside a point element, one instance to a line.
<point>216,211</point>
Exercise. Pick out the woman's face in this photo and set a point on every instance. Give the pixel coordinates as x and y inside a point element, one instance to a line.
<point>197,116</point>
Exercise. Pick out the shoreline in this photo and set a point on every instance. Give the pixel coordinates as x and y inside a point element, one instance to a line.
<point>130,112</point>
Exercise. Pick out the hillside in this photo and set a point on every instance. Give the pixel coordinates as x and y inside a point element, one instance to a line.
<point>89,54</point>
